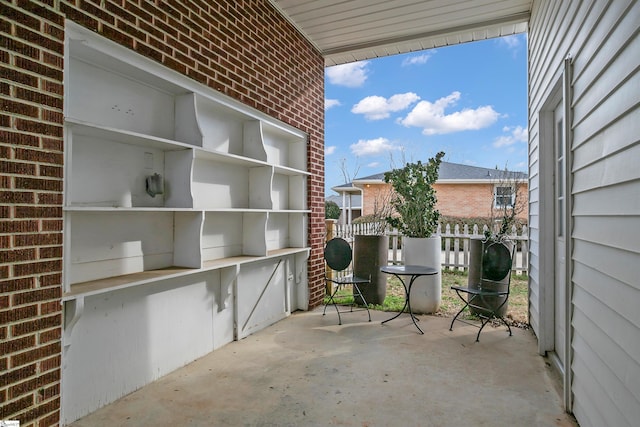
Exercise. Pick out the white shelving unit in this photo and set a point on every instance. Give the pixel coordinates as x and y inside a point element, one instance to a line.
<point>234,181</point>
<point>154,280</point>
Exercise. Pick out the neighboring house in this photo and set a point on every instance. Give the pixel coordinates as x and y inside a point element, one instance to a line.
<point>463,191</point>
<point>349,202</point>
<point>268,56</point>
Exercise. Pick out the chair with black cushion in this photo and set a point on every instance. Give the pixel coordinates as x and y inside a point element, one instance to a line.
<point>488,298</point>
<point>338,256</point>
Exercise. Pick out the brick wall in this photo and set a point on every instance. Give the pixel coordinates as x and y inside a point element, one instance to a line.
<point>241,48</point>
<point>464,200</point>
<point>458,200</point>
<point>31,58</point>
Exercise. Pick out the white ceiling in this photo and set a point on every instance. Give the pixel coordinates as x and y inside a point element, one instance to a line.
<point>353,30</point>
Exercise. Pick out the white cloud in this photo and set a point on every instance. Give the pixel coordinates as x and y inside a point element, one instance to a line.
<point>516,134</point>
<point>416,59</point>
<point>350,75</point>
<point>373,165</point>
<point>432,119</point>
<point>378,107</point>
<point>511,42</point>
<point>328,103</point>
<point>329,150</point>
<point>372,146</point>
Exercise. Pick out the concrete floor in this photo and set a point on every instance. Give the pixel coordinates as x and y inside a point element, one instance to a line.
<point>308,371</point>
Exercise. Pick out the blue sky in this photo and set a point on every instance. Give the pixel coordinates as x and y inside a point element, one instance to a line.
<point>469,101</point>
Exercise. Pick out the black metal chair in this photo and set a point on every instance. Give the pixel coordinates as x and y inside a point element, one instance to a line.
<point>489,296</point>
<point>338,256</point>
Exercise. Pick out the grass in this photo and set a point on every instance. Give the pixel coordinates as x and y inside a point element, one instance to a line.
<point>518,304</point>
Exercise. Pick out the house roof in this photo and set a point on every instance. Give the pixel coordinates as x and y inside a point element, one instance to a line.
<point>457,172</point>
<point>353,30</point>
<point>449,173</point>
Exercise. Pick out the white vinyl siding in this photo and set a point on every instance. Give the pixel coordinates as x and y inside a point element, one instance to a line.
<point>601,37</point>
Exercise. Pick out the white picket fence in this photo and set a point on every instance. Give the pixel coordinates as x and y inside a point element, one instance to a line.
<point>455,254</point>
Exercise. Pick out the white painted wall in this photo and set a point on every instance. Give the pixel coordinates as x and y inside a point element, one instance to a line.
<point>128,338</point>
<point>602,39</point>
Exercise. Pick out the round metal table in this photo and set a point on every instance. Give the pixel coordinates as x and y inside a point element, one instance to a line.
<point>413,271</point>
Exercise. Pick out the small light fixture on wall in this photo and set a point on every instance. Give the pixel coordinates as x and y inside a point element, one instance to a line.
<point>155,184</point>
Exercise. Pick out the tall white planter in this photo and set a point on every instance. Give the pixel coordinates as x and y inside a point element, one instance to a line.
<point>426,293</point>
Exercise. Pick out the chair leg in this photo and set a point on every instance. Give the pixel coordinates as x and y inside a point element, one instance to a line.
<point>492,315</point>
<point>364,301</point>
<point>466,304</point>
<point>332,301</point>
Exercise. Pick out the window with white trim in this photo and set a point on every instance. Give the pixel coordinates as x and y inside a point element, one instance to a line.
<point>503,196</point>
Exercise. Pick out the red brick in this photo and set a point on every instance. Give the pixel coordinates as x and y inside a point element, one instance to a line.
<point>43,12</point>
<point>16,138</point>
<point>37,296</point>
<point>37,268</point>
<point>47,393</point>
<point>17,255</point>
<point>50,199</point>
<point>33,384</point>
<point>97,12</point>
<point>37,239</point>
<point>117,36</point>
<point>50,225</point>
<point>50,363</point>
<point>47,280</point>
<point>17,107</point>
<point>38,212</point>
<point>39,67</point>
<point>52,419</point>
<point>39,156</point>
<point>38,184</point>
<point>15,197</point>
<point>24,328</point>
<point>18,227</point>
<point>50,252</point>
<point>35,354</point>
<point>130,30</point>
<point>52,144</point>
<point>18,314</point>
<point>16,406</point>
<point>50,307</point>
<point>38,97</point>
<point>15,285</point>
<point>18,15</point>
<point>52,116</point>
<point>17,168</point>
<point>50,335</point>
<point>16,345</point>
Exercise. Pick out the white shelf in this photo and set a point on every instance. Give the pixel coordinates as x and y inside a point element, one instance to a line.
<point>115,283</point>
<point>93,130</point>
<point>91,208</point>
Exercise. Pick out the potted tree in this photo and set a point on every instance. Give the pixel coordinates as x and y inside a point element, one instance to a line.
<point>506,205</point>
<point>416,218</point>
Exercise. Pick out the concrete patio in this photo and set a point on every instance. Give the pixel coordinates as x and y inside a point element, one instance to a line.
<point>306,370</point>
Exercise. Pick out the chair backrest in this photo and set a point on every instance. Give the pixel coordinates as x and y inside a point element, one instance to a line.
<point>496,261</point>
<point>337,254</point>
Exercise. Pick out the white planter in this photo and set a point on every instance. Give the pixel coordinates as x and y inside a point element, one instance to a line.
<point>426,293</point>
